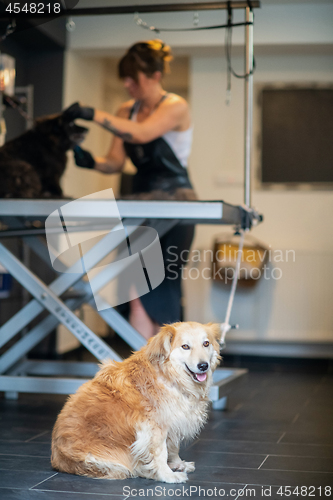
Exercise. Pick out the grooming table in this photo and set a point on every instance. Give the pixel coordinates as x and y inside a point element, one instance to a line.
<point>18,374</point>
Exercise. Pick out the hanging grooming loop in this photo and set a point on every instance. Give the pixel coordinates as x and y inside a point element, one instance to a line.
<point>225,326</point>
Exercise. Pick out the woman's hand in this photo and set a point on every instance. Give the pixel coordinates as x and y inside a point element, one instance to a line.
<point>83,158</point>
<point>107,165</point>
<point>76,111</point>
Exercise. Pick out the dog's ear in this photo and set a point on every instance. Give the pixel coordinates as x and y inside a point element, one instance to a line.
<point>71,113</point>
<point>159,347</point>
<point>48,125</point>
<point>214,335</point>
<point>215,330</point>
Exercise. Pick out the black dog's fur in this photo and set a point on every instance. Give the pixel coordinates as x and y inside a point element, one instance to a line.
<point>32,164</point>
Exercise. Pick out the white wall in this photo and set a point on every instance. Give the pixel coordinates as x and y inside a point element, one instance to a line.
<point>297,306</point>
<point>293,43</point>
<point>218,151</point>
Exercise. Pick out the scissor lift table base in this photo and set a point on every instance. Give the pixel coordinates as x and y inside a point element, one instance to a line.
<point>225,380</point>
<point>21,375</point>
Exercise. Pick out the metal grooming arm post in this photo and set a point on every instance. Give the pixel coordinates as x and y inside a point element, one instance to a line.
<point>248,103</point>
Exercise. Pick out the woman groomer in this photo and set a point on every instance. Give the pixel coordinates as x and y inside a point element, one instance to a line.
<point>154,130</point>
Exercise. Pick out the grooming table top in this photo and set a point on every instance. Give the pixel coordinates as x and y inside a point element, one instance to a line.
<point>199,212</point>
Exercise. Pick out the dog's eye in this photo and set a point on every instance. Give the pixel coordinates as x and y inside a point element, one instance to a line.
<point>206,343</point>
<point>185,346</point>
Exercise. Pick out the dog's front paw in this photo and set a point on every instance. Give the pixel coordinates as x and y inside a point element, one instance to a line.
<point>181,465</point>
<point>174,477</point>
<point>189,466</point>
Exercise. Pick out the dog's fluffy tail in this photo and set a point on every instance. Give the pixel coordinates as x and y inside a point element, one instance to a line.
<point>102,466</point>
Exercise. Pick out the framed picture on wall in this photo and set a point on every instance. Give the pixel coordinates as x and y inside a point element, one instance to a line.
<point>296,136</point>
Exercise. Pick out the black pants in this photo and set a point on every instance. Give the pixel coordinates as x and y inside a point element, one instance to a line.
<point>163,304</point>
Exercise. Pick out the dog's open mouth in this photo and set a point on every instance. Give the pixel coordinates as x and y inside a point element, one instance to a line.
<point>197,377</point>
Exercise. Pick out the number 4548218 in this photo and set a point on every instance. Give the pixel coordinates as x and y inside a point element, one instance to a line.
<point>33,8</point>
<point>305,491</point>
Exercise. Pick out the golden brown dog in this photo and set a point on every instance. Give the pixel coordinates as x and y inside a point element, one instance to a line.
<point>131,418</point>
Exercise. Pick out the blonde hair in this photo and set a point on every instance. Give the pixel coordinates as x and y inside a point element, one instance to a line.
<point>148,57</point>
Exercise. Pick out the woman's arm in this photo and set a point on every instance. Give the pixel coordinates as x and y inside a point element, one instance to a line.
<point>171,114</point>
<point>114,160</point>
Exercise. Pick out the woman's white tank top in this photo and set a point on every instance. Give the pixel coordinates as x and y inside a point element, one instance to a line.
<point>179,142</point>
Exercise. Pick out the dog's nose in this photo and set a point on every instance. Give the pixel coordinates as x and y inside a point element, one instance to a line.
<point>203,367</point>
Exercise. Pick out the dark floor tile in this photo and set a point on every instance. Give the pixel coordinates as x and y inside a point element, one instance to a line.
<point>321,413</point>
<point>317,400</point>
<point>262,477</point>
<point>44,437</point>
<point>272,415</point>
<point>326,386</point>
<point>299,464</point>
<point>27,449</point>
<point>28,402</point>
<point>296,380</point>
<point>18,433</point>
<point>324,389</point>
<point>22,479</point>
<point>20,494</point>
<point>36,424</point>
<point>242,425</point>
<point>17,463</point>
<point>246,447</point>
<point>241,435</point>
<point>31,421</point>
<point>308,426</point>
<point>220,459</point>
<point>318,437</point>
<point>80,484</point>
<point>280,393</point>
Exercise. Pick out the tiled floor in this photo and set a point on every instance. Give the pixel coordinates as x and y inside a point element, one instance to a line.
<point>277,433</point>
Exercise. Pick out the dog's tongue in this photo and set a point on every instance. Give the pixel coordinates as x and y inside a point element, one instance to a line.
<point>201,376</point>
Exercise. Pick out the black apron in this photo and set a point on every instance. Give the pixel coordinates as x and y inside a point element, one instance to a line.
<point>158,168</point>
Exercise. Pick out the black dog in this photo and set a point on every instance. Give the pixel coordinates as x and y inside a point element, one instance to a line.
<point>32,164</point>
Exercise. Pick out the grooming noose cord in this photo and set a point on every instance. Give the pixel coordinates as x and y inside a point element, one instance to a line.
<point>225,326</point>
